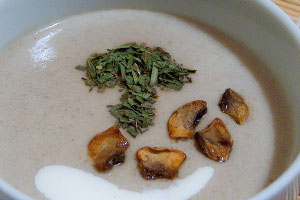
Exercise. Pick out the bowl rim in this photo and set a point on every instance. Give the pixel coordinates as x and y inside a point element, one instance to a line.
<point>287,176</point>
<point>294,169</point>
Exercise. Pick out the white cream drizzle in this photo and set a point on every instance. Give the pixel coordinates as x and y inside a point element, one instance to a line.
<point>58,182</point>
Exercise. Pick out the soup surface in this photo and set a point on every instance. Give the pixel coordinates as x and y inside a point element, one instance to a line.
<point>48,116</point>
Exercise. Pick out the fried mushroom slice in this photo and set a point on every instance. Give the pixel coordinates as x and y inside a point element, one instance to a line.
<point>159,162</point>
<point>107,149</point>
<point>233,105</point>
<point>215,141</point>
<point>183,121</point>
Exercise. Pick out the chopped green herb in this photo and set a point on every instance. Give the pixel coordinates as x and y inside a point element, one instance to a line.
<point>154,76</point>
<point>79,67</point>
<point>136,69</point>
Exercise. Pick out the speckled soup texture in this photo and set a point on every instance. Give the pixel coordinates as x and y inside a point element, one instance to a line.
<point>48,116</point>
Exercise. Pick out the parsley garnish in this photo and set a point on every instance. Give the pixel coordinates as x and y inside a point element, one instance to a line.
<point>137,69</point>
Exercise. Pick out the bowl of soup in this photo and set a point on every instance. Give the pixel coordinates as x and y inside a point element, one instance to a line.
<point>48,116</point>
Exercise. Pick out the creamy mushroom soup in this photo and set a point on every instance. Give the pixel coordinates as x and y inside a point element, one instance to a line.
<point>48,116</point>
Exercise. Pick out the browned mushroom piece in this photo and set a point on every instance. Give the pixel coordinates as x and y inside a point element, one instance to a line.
<point>233,105</point>
<point>107,149</point>
<point>183,121</point>
<point>159,162</point>
<point>215,141</point>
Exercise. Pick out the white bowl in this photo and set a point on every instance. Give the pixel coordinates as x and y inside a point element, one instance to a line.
<point>259,24</point>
